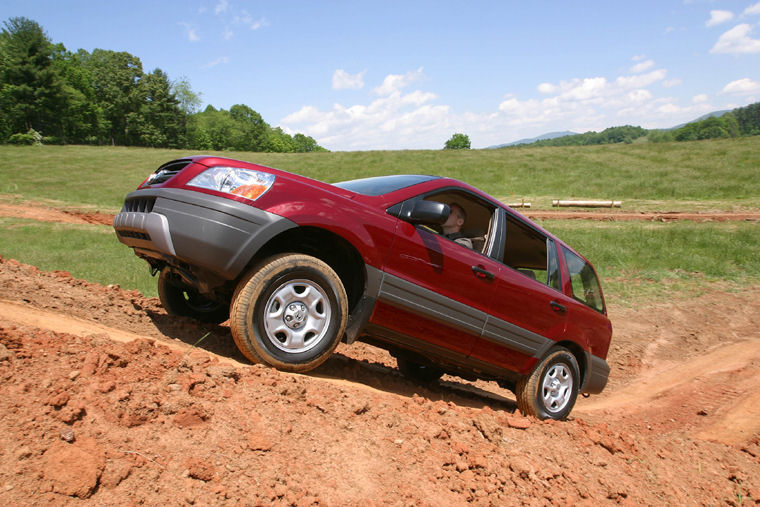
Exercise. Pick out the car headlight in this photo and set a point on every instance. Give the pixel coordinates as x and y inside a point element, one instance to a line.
<point>232,180</point>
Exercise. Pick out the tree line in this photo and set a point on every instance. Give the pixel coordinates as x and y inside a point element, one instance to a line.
<point>743,121</point>
<point>51,95</point>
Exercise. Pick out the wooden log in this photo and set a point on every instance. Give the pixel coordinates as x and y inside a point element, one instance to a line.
<point>586,204</point>
<point>521,204</point>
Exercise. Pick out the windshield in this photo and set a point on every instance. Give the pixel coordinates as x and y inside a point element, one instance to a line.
<point>380,185</point>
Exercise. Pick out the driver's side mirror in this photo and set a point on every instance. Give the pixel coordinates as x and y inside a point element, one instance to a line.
<point>429,213</point>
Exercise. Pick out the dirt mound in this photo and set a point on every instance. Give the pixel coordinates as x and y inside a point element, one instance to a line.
<point>104,398</point>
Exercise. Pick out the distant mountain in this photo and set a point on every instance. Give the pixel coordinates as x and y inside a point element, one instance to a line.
<point>555,135</point>
<point>550,135</point>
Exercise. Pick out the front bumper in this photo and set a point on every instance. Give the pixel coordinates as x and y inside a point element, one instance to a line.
<point>202,231</point>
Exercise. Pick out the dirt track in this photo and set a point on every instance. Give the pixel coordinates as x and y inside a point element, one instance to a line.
<point>104,398</point>
<point>38,211</point>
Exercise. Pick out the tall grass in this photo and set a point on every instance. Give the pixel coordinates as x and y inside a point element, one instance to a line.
<point>721,174</point>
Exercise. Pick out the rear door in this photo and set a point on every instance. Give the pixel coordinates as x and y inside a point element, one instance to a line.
<point>528,311</point>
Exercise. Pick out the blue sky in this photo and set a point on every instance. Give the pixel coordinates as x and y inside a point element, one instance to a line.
<point>408,74</point>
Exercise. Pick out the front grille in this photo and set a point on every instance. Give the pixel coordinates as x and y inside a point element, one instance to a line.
<point>168,171</point>
<point>139,205</point>
<point>134,235</point>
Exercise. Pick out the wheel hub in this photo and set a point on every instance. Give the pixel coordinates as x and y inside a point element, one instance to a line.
<point>295,315</point>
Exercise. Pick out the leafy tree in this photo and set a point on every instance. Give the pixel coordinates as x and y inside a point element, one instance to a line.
<point>82,120</point>
<point>748,119</point>
<point>710,128</point>
<point>115,80</point>
<point>159,121</point>
<point>458,142</point>
<point>305,144</point>
<point>31,91</point>
<point>250,129</point>
<point>189,101</point>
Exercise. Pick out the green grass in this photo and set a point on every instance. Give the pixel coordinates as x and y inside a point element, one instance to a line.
<point>715,174</point>
<point>640,261</point>
<point>89,252</point>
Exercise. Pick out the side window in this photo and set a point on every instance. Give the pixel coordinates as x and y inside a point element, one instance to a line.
<point>476,217</point>
<point>583,279</point>
<point>531,253</point>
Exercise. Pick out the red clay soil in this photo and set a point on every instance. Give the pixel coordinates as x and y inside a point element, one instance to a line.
<point>42,213</point>
<point>105,401</point>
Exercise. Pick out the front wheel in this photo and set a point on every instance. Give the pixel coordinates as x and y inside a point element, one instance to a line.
<point>291,313</point>
<point>550,391</point>
<point>178,299</point>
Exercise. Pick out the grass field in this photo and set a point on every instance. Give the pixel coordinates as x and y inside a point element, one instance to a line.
<point>718,174</point>
<point>637,261</point>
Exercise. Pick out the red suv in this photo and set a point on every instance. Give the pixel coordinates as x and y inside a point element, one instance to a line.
<point>298,265</point>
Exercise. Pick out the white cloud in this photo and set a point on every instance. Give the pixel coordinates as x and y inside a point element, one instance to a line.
<point>221,7</point>
<point>400,114</point>
<point>641,67</point>
<point>395,82</point>
<point>718,17</point>
<point>670,83</point>
<point>583,89</point>
<point>744,86</point>
<point>752,9</point>
<point>261,23</point>
<point>190,32</point>
<point>227,34</point>
<point>641,80</point>
<point>547,88</point>
<point>342,80</point>
<point>218,61</point>
<point>639,96</point>
<point>737,41</point>
<point>245,19</point>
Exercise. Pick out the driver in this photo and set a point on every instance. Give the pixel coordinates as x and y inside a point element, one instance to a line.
<point>453,226</point>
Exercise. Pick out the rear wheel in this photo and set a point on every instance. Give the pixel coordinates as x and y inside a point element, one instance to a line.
<point>179,299</point>
<point>550,391</point>
<point>291,313</point>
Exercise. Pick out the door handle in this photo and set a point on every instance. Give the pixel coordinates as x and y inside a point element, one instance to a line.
<point>482,273</point>
<point>558,307</point>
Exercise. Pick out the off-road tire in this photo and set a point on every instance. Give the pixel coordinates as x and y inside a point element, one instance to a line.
<point>551,389</point>
<point>178,299</point>
<point>289,312</point>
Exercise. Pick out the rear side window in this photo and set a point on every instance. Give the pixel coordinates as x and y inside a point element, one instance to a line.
<point>531,253</point>
<point>583,279</point>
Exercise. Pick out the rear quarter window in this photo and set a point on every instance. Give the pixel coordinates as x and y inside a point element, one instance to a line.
<point>585,284</point>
